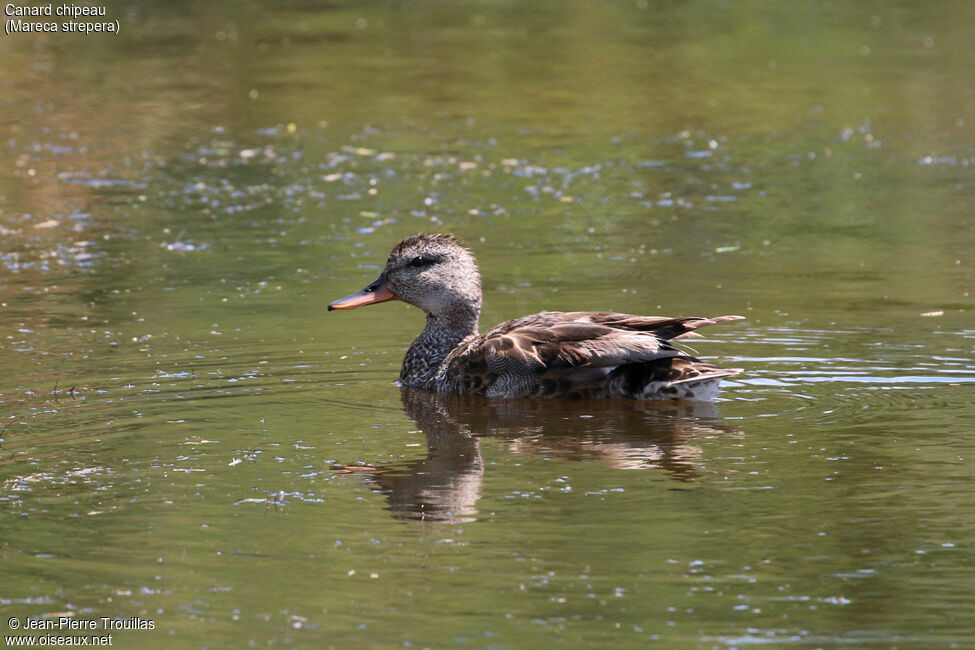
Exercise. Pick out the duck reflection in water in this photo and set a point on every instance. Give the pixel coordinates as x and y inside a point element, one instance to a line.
<point>621,434</point>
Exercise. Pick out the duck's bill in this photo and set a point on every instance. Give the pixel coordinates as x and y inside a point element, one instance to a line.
<point>375,292</point>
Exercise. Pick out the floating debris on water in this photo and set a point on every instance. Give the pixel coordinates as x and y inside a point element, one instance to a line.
<point>184,246</point>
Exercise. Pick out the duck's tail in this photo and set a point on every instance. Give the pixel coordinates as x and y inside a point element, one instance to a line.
<point>680,377</point>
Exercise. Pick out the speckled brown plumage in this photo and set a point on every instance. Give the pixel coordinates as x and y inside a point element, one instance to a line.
<point>549,354</point>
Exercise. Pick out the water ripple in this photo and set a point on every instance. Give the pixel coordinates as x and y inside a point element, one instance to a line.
<point>858,384</point>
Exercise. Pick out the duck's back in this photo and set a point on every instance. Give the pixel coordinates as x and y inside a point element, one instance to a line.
<point>582,354</point>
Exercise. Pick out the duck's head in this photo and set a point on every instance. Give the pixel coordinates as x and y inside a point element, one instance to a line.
<point>433,272</point>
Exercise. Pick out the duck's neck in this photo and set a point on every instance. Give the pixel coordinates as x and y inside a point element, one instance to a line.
<point>438,339</point>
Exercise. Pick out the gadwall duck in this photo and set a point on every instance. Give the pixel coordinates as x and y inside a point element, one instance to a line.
<point>576,354</point>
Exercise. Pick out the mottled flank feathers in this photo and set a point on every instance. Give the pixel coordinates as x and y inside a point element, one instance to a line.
<point>549,354</point>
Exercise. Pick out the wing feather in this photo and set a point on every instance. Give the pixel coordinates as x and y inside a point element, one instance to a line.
<point>571,346</point>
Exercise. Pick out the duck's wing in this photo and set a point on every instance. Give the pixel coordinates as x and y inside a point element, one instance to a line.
<point>539,348</point>
<point>663,327</point>
<point>574,348</point>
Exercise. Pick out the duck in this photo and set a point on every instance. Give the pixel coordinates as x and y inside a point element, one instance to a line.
<point>551,354</point>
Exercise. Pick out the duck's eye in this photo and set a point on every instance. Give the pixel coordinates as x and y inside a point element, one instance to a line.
<point>419,262</point>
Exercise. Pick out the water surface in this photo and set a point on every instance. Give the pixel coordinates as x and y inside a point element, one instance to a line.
<point>188,437</point>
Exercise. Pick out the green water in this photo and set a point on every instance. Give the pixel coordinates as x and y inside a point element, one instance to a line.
<point>191,439</point>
